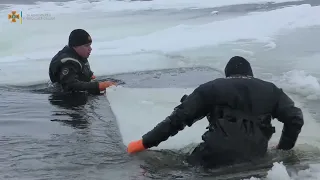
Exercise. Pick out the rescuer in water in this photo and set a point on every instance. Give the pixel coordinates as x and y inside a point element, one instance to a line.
<point>239,109</point>
<point>70,67</point>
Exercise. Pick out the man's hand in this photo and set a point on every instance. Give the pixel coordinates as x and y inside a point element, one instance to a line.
<point>135,146</point>
<point>93,77</point>
<point>106,84</point>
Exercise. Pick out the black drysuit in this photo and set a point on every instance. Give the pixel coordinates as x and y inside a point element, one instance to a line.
<point>72,72</point>
<point>239,109</point>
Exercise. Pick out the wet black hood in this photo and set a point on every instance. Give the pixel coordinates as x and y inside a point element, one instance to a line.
<point>238,65</point>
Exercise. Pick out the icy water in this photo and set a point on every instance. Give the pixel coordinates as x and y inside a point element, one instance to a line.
<point>148,45</point>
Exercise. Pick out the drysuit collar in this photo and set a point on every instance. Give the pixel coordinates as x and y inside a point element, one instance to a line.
<point>71,50</point>
<point>238,66</point>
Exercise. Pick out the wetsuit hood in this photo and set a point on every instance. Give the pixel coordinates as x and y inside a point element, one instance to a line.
<point>238,65</point>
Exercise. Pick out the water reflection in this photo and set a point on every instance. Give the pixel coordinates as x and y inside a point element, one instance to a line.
<point>71,109</point>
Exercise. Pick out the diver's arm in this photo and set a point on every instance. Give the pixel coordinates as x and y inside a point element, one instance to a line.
<point>193,108</point>
<point>292,119</point>
<point>69,80</point>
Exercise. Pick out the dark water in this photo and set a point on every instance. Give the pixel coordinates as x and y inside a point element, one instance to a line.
<point>43,136</point>
<point>46,136</point>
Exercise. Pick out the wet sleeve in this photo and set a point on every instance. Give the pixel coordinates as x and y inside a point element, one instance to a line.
<point>193,108</point>
<point>70,82</point>
<point>292,119</point>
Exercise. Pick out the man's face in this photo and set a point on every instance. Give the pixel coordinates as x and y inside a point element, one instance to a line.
<point>84,50</point>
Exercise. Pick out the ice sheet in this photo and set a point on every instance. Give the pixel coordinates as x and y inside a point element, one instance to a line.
<point>138,110</point>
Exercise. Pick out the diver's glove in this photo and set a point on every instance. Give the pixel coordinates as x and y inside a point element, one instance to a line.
<point>286,143</point>
<point>184,97</point>
<point>106,84</point>
<point>135,146</point>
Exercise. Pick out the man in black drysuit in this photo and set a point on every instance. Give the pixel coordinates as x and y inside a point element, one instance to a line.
<point>239,109</point>
<point>70,69</point>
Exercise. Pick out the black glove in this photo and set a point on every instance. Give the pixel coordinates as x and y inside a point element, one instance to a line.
<point>184,97</point>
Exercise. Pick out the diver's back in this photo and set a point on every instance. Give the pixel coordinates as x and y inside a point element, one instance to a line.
<point>250,95</point>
